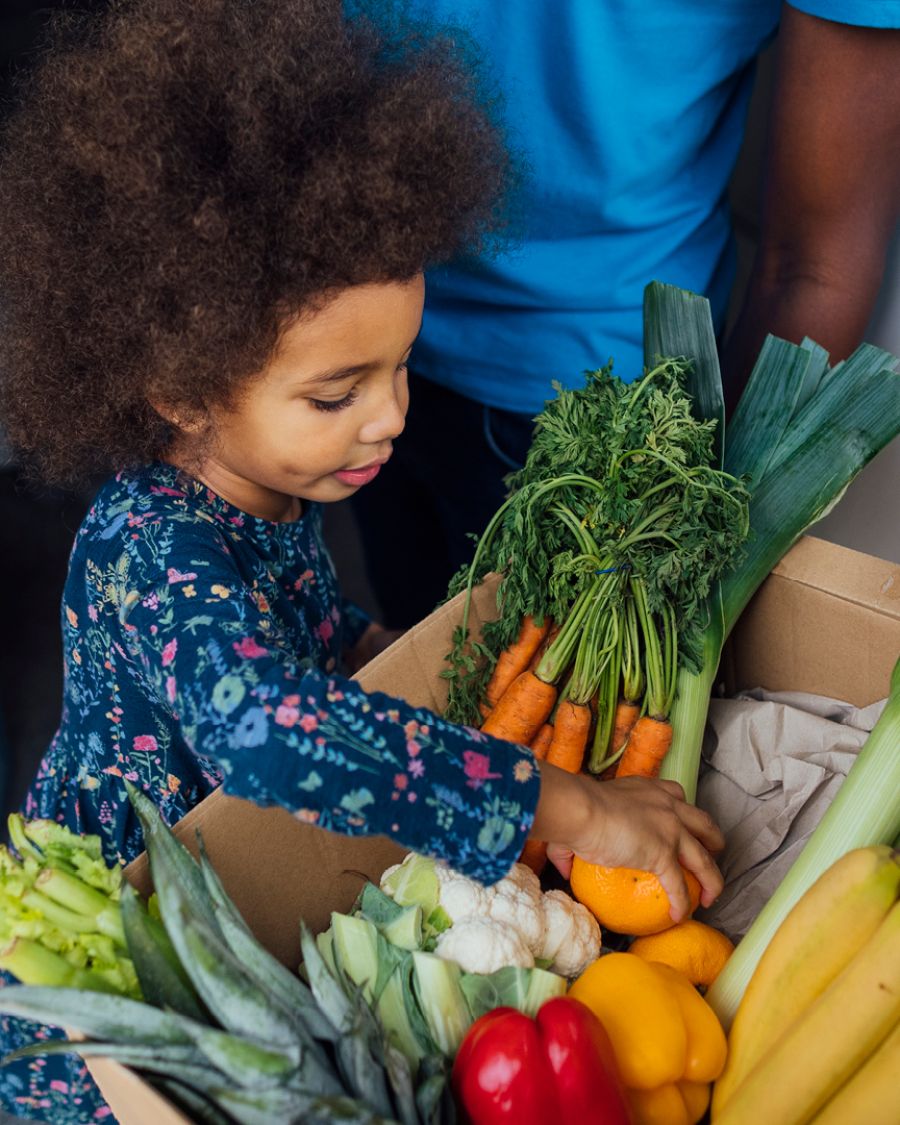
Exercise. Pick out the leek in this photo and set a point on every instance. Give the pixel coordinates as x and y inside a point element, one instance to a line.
<point>799,436</point>
<point>865,812</point>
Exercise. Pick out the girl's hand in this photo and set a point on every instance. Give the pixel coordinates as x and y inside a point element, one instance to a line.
<point>633,822</point>
<point>374,640</point>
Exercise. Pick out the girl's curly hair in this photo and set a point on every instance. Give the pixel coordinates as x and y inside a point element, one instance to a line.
<point>182,178</point>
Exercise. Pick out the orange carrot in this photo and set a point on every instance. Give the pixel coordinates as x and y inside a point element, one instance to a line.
<point>540,744</point>
<point>548,640</point>
<point>570,734</point>
<point>647,745</point>
<point>485,710</point>
<point>534,855</point>
<point>626,716</point>
<point>516,658</point>
<point>522,709</point>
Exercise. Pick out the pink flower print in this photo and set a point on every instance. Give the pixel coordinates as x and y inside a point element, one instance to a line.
<point>145,744</point>
<point>151,601</point>
<point>411,796</point>
<point>170,688</point>
<point>416,767</point>
<point>291,700</point>
<point>411,729</point>
<point>168,652</point>
<point>325,631</point>
<point>286,716</point>
<point>412,748</point>
<point>400,781</point>
<point>59,1087</point>
<point>163,490</point>
<point>477,768</point>
<point>92,612</point>
<point>309,723</point>
<point>249,648</point>
<point>175,575</point>
<point>308,816</point>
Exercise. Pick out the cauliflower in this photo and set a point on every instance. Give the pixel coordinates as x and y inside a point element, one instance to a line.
<point>571,937</point>
<point>516,901</point>
<point>482,945</point>
<point>459,896</point>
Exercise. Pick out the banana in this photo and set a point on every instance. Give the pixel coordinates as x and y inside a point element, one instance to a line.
<point>830,1040</point>
<point>820,935</point>
<point>872,1095</point>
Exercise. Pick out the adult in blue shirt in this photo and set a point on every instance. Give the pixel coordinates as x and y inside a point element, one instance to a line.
<point>630,118</point>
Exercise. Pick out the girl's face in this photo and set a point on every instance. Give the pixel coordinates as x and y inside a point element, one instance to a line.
<point>319,421</point>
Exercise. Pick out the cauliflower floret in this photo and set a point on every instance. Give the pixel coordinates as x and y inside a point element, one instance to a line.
<point>482,945</point>
<point>517,901</point>
<point>460,897</point>
<point>572,936</point>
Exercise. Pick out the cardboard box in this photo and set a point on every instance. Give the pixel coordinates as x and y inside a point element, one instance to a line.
<point>827,621</point>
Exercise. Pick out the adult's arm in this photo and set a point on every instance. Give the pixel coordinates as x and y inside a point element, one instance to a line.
<point>831,192</point>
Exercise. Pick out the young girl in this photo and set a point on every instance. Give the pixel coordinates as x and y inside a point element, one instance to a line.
<point>215,219</point>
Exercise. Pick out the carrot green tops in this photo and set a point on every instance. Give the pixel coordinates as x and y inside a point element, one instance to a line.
<point>202,646</point>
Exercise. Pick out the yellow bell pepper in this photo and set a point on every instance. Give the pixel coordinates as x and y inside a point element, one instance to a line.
<point>668,1043</point>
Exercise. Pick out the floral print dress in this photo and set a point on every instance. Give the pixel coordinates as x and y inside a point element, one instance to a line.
<point>202,647</point>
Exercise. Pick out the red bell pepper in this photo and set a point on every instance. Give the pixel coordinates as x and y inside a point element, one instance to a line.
<point>551,1070</point>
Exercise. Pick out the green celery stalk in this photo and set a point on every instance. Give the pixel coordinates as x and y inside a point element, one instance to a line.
<point>865,812</point>
<point>32,963</point>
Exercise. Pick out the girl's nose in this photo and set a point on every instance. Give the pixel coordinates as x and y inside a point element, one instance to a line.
<point>389,412</point>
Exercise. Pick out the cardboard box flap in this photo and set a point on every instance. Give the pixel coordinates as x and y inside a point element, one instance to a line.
<point>826,621</point>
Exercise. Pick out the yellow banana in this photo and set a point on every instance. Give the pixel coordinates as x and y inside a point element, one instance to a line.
<point>829,1041</point>
<point>872,1095</point>
<point>820,935</point>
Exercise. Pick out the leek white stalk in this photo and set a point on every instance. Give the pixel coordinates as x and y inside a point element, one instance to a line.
<point>866,811</point>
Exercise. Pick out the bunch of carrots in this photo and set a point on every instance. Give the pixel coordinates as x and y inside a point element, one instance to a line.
<point>608,545</point>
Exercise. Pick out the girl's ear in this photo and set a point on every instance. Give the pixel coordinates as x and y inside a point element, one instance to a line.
<point>181,418</point>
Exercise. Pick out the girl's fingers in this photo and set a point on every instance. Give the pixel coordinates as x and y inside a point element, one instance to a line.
<point>561,857</point>
<point>697,859</point>
<point>702,826</point>
<point>671,787</point>
<point>672,879</point>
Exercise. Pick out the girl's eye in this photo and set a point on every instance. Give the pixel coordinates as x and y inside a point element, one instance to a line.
<point>335,404</point>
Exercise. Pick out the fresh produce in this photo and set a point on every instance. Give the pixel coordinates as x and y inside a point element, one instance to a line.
<point>800,434</point>
<point>668,1044</point>
<point>691,947</point>
<point>627,900</point>
<point>871,1095</point>
<point>264,1046</point>
<point>557,1067</point>
<point>828,929</point>
<point>615,529</point>
<point>424,1001</point>
<point>484,928</point>
<point>865,812</point>
<point>60,914</point>
<point>828,1042</point>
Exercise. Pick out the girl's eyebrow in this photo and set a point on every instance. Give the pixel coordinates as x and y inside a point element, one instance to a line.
<point>346,372</point>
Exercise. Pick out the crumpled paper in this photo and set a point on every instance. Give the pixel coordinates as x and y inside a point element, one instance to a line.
<point>772,762</point>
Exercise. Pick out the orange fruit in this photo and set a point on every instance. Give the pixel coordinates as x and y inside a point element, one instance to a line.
<point>695,949</point>
<point>627,900</point>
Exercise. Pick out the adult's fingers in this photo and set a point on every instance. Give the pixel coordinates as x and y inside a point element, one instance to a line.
<point>697,859</point>
<point>702,826</point>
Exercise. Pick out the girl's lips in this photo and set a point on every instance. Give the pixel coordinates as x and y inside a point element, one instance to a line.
<point>357,477</point>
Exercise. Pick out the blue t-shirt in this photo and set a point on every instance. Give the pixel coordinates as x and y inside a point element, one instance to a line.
<point>630,117</point>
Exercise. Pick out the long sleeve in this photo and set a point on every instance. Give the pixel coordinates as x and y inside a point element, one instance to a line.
<point>283,732</point>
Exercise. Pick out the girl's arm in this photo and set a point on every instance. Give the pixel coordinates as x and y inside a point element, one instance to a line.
<point>286,733</point>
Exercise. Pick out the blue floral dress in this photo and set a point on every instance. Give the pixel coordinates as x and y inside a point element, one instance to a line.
<point>202,647</point>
